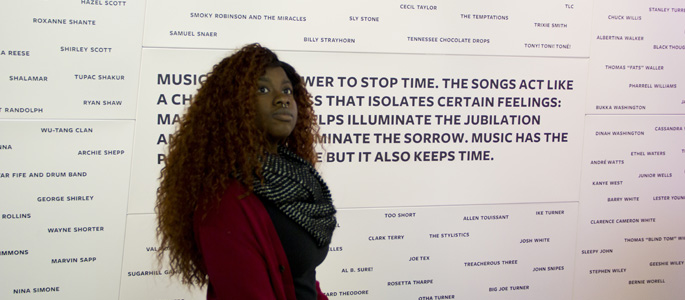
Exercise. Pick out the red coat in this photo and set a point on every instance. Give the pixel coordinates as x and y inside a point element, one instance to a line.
<point>241,251</point>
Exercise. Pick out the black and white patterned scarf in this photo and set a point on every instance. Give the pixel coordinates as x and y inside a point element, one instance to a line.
<point>298,190</point>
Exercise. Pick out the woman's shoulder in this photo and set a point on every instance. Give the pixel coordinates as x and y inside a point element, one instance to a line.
<point>236,204</point>
<point>237,196</point>
<point>235,190</point>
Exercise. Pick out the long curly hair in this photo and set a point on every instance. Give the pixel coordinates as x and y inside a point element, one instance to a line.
<point>217,141</point>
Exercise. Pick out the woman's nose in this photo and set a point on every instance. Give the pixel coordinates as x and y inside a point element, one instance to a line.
<point>282,100</point>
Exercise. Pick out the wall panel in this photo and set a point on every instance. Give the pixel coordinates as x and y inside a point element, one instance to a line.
<point>489,150</point>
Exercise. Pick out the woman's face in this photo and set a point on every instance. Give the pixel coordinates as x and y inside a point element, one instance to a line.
<point>276,107</point>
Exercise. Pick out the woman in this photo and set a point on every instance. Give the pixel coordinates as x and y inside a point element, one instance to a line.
<point>240,206</point>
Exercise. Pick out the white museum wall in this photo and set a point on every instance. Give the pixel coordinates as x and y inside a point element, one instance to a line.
<point>485,150</point>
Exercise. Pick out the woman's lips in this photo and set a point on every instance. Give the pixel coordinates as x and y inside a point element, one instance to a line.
<point>283,114</point>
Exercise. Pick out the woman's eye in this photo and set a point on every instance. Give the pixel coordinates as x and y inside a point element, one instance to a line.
<point>288,91</point>
<point>262,90</point>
